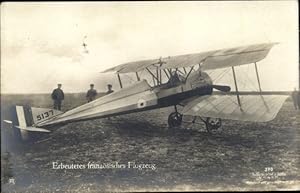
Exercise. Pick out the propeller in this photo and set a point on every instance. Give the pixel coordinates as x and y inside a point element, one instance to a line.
<point>221,88</point>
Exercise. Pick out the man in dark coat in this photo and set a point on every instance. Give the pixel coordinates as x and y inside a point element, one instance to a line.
<point>57,96</point>
<point>173,81</point>
<point>91,94</point>
<point>296,99</point>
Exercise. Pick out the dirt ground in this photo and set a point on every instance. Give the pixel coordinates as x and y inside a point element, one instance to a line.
<point>243,156</point>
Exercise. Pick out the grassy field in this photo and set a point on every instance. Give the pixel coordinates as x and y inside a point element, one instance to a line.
<point>243,156</point>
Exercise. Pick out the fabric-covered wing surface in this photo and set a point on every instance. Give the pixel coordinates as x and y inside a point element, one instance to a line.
<point>258,108</point>
<point>209,60</point>
<point>221,58</point>
<point>132,66</point>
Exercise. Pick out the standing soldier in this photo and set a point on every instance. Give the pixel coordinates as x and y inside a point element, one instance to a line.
<point>296,99</point>
<point>91,94</point>
<point>109,87</point>
<point>57,96</point>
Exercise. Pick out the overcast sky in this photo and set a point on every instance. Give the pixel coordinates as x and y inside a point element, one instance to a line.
<point>41,43</point>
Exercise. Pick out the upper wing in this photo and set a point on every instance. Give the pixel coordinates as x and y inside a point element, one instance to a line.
<point>258,108</point>
<point>222,58</point>
<point>133,66</point>
<point>208,60</point>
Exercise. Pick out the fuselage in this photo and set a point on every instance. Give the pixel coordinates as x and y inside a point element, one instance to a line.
<point>138,97</point>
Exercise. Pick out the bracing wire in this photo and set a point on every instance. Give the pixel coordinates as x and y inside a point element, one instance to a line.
<point>221,75</point>
<point>251,83</point>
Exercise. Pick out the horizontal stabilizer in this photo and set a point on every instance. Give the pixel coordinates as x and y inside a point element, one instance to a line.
<point>8,121</point>
<point>33,129</point>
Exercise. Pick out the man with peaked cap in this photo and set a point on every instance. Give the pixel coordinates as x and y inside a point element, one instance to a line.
<point>296,99</point>
<point>57,97</point>
<point>91,94</point>
<point>109,87</point>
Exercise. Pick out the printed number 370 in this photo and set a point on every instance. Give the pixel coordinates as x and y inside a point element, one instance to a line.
<point>268,169</point>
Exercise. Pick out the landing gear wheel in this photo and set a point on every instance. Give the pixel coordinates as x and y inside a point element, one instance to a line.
<point>175,119</point>
<point>213,125</point>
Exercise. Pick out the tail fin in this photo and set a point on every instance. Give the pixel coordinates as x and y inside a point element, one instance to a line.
<point>40,115</point>
<point>27,119</point>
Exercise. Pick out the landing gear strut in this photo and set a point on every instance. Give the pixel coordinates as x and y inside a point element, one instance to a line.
<point>175,119</point>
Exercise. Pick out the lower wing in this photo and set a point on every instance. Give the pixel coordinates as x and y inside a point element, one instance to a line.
<point>254,106</point>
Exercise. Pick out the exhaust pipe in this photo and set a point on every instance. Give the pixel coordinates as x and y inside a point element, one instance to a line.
<point>221,88</point>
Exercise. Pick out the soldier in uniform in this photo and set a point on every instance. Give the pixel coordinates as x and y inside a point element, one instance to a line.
<point>296,99</point>
<point>173,81</point>
<point>57,96</point>
<point>109,87</point>
<point>91,94</point>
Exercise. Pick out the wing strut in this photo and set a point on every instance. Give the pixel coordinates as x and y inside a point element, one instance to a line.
<point>157,75</point>
<point>257,77</point>
<point>160,79</point>
<point>137,76</point>
<point>119,78</point>
<point>189,73</point>
<point>166,73</point>
<point>236,89</point>
<point>153,76</point>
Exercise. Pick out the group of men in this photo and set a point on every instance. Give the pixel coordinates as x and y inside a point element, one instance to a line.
<point>58,95</point>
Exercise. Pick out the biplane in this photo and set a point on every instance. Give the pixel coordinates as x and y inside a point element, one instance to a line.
<point>187,85</point>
